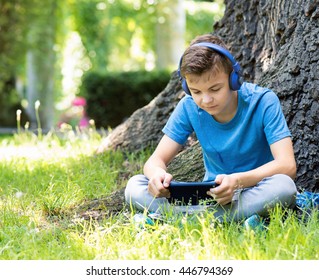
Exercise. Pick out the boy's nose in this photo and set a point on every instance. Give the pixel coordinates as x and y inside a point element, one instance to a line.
<point>207,98</point>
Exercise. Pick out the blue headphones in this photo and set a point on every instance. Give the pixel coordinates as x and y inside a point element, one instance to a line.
<point>235,78</point>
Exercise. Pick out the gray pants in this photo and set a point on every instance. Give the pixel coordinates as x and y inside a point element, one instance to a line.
<point>269,192</point>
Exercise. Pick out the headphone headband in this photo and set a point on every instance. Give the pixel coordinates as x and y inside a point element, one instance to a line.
<point>218,49</point>
<point>235,78</point>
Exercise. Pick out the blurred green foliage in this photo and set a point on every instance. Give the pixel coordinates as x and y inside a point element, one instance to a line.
<point>107,29</point>
<point>13,29</point>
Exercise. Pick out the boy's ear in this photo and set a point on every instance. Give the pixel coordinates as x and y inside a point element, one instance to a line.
<point>235,80</point>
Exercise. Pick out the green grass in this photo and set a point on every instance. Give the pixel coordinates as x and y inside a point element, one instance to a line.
<point>43,180</point>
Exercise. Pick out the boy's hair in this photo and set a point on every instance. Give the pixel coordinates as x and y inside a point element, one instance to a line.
<point>197,59</point>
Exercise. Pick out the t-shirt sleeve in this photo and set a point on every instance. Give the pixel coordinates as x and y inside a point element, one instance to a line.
<point>178,126</point>
<point>274,122</point>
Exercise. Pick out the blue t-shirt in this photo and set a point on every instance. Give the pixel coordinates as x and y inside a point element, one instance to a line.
<point>239,145</point>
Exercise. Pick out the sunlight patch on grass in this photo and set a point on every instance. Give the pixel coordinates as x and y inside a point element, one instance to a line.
<point>46,150</point>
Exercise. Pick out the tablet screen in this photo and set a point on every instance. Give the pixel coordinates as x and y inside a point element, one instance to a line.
<point>189,193</point>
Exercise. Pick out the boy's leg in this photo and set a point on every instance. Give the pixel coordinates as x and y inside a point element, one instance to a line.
<point>271,191</point>
<point>137,195</point>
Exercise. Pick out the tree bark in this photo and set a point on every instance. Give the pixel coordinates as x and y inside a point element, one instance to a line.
<point>277,44</point>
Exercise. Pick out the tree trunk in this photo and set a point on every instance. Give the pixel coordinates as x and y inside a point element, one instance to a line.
<point>40,76</point>
<point>276,43</point>
<point>40,67</point>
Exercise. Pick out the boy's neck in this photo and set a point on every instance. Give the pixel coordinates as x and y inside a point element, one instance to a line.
<point>231,110</point>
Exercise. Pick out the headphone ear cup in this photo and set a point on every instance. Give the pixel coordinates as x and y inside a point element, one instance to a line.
<point>185,87</point>
<point>235,81</point>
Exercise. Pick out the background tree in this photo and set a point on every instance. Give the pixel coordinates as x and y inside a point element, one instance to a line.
<point>41,62</point>
<point>276,42</point>
<point>170,32</point>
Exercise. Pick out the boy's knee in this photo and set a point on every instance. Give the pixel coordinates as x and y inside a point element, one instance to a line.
<point>287,183</point>
<point>134,185</point>
<point>289,189</point>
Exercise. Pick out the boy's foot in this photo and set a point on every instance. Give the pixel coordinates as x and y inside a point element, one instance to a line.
<point>254,222</point>
<point>141,220</point>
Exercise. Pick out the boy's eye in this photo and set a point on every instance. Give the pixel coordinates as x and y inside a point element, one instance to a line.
<point>214,89</point>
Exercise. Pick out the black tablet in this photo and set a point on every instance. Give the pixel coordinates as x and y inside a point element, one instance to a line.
<point>189,193</point>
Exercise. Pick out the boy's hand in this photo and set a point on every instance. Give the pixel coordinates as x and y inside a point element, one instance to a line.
<point>158,185</point>
<point>224,192</point>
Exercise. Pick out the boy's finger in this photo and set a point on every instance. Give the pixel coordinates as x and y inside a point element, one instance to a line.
<point>211,194</point>
<point>167,180</point>
<point>216,190</point>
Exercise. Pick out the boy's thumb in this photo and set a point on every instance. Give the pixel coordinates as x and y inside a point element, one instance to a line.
<point>219,178</point>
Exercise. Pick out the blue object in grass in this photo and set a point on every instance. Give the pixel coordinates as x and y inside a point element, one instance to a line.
<point>141,220</point>
<point>254,222</point>
<point>306,200</point>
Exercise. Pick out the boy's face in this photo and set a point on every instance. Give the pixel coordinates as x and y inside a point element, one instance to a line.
<point>211,93</point>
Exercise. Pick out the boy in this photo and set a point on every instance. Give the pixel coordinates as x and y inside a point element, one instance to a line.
<point>246,143</point>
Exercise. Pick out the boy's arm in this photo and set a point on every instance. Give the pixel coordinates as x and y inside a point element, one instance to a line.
<point>156,166</point>
<point>283,163</point>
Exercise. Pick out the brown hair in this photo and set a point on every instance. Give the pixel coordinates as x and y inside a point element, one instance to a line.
<point>197,59</point>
